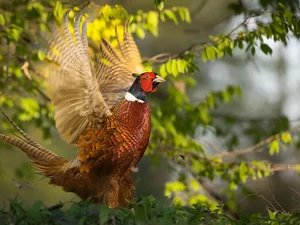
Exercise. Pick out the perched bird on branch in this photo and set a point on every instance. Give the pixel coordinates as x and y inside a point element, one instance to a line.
<point>100,107</point>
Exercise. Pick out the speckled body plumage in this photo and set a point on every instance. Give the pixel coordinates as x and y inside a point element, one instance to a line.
<point>104,112</point>
<point>107,156</point>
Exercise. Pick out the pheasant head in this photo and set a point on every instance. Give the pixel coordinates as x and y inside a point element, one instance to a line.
<point>144,84</point>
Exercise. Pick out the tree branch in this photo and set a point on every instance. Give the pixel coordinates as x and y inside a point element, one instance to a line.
<point>284,167</point>
<point>255,148</point>
<point>164,57</point>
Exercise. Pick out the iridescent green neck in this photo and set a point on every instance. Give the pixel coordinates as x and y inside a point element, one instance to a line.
<point>137,91</point>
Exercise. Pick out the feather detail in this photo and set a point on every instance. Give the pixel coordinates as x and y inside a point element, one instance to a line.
<point>45,161</point>
<point>119,145</point>
<point>83,94</point>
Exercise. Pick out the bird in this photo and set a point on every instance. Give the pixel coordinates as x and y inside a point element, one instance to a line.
<point>101,107</point>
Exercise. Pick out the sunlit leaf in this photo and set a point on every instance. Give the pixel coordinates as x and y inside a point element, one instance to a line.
<point>274,147</point>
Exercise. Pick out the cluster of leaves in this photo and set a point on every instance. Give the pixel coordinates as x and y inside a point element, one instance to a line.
<point>144,211</point>
<point>22,24</point>
<point>23,31</point>
<point>148,21</point>
<point>281,24</point>
<point>175,134</point>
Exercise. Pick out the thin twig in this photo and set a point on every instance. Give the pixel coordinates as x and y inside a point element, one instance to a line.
<point>198,8</point>
<point>282,209</point>
<point>164,57</point>
<point>263,197</point>
<point>245,21</point>
<point>294,190</point>
<point>295,200</point>
<point>248,196</point>
<point>213,146</point>
<point>283,167</point>
<point>255,148</point>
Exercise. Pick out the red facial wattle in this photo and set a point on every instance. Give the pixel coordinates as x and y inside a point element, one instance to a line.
<point>147,81</point>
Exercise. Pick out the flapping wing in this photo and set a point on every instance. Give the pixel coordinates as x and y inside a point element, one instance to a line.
<point>115,77</point>
<point>84,94</point>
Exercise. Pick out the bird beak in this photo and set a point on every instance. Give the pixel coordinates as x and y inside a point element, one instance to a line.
<point>159,79</point>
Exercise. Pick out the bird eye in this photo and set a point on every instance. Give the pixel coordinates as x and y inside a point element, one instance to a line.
<point>146,77</point>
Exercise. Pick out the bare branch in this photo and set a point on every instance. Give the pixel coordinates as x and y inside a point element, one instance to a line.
<point>283,167</point>
<point>297,192</point>
<point>198,8</point>
<point>264,198</point>
<point>255,148</point>
<point>277,203</point>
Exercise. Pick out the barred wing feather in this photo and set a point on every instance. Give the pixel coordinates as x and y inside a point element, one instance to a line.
<point>83,94</point>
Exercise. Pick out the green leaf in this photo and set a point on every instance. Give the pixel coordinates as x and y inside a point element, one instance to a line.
<point>253,51</point>
<point>211,102</point>
<point>174,186</point>
<point>171,15</point>
<point>152,18</point>
<point>203,56</point>
<point>162,71</point>
<point>226,96</point>
<point>174,67</point>
<point>184,14</point>
<point>169,66</point>
<point>58,11</point>
<point>232,185</point>
<point>195,185</point>
<point>187,15</point>
<point>286,138</point>
<point>272,215</point>
<point>30,107</point>
<point>281,6</point>
<point>2,19</point>
<point>204,114</point>
<point>190,81</point>
<point>159,4</point>
<point>35,209</point>
<point>266,49</point>
<point>181,66</point>
<point>41,55</point>
<point>140,213</point>
<point>297,168</point>
<point>243,172</point>
<point>210,53</point>
<point>105,10</point>
<point>140,32</point>
<point>274,147</point>
<point>104,213</point>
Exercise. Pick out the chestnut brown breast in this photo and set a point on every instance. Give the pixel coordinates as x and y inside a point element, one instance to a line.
<point>120,144</point>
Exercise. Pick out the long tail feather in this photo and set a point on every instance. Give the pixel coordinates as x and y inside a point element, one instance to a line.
<point>42,159</point>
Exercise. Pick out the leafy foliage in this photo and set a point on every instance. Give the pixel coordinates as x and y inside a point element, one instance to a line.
<point>145,211</point>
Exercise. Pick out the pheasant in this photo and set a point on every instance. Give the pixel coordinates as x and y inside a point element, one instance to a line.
<point>101,108</point>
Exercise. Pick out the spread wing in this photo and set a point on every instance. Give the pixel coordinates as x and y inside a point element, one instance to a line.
<point>84,93</point>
